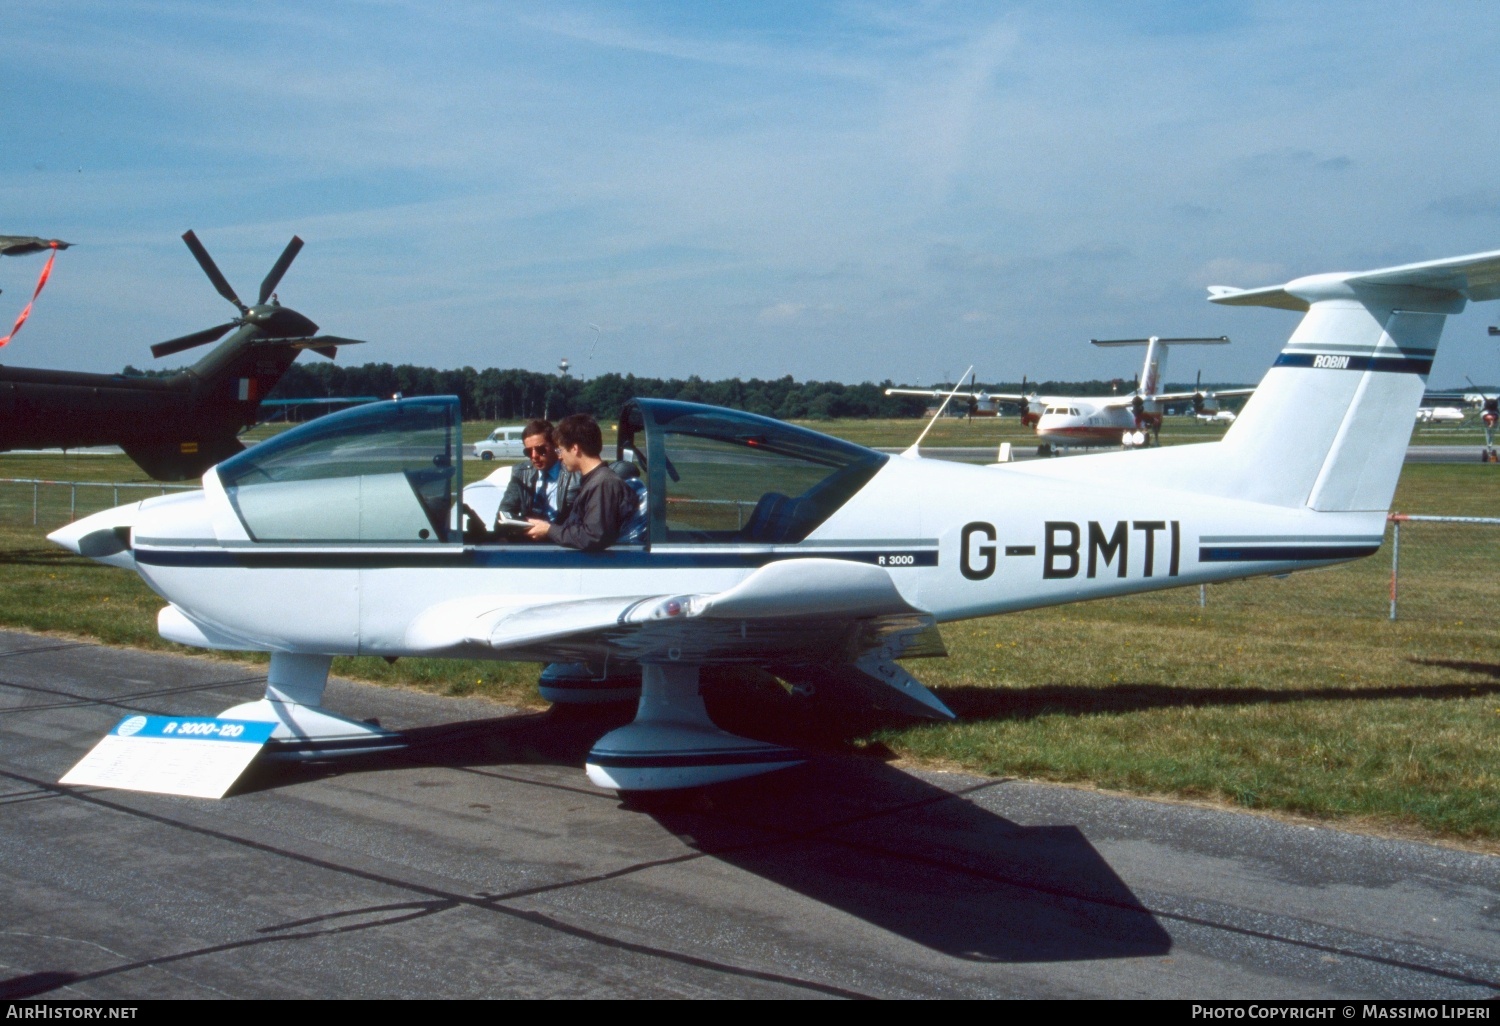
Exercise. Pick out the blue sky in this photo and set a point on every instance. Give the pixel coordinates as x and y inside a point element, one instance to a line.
<point>851,191</point>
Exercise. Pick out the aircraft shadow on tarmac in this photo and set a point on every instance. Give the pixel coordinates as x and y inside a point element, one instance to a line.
<point>853,834</point>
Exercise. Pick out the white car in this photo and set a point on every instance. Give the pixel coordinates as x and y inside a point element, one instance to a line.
<point>503,443</point>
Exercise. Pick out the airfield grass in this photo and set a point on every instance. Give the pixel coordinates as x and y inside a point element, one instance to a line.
<point>1296,695</point>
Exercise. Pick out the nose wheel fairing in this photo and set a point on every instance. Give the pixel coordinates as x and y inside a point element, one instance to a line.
<point>294,693</point>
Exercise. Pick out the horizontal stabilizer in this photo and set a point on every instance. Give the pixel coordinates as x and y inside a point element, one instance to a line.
<point>1217,340</point>
<point>316,343</point>
<point>1274,295</point>
<point>1475,277</point>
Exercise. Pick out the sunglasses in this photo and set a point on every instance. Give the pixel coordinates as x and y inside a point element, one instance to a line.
<point>537,450</point>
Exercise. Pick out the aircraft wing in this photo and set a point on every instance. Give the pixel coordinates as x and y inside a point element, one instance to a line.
<point>842,622</point>
<point>1216,393</point>
<point>939,393</point>
<point>1475,277</point>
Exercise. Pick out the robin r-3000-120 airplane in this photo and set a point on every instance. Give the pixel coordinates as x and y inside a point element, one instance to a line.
<point>770,545</point>
<point>1069,421</point>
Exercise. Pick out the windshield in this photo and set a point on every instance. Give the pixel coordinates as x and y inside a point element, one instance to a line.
<point>737,477</point>
<point>386,472</point>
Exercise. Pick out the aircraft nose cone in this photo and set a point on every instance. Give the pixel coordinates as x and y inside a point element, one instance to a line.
<point>104,537</point>
<point>92,540</point>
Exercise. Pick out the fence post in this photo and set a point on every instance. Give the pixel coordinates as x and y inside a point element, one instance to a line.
<point>1395,560</point>
<point>72,503</point>
<point>1202,596</point>
<point>35,488</point>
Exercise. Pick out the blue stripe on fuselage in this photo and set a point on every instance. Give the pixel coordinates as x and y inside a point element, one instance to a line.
<point>1340,361</point>
<point>1281,553</point>
<point>540,558</point>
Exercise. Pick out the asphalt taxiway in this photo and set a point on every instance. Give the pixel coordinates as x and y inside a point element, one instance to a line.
<point>481,863</point>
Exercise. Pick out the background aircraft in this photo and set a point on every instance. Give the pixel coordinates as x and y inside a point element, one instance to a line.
<point>1082,421</point>
<point>18,245</point>
<point>975,404</point>
<point>770,545</point>
<point>176,426</point>
<point>1217,417</point>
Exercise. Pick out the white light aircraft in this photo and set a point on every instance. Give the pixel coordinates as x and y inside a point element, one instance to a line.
<point>771,545</point>
<point>1065,422</point>
<point>1217,417</point>
<point>1487,403</point>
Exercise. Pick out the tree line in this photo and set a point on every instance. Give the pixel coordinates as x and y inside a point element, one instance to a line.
<point>514,395</point>
<point>495,394</point>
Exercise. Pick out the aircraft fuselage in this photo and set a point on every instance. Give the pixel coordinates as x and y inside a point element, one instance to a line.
<point>1002,540</point>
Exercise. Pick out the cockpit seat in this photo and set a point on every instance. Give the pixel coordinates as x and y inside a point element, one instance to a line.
<point>635,529</point>
<point>777,518</point>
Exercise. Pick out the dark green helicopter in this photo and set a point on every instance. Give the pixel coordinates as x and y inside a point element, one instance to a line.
<point>177,426</point>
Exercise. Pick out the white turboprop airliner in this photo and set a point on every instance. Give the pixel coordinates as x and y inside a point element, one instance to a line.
<point>771,545</point>
<point>1065,422</point>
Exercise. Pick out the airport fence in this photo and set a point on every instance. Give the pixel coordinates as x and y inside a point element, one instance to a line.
<point>1430,569</point>
<point>1450,560</point>
<point>50,504</point>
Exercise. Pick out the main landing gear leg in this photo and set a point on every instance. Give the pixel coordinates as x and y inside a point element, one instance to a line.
<point>294,689</point>
<point>672,743</point>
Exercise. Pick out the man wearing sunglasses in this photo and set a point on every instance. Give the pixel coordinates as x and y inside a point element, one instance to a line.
<point>541,488</point>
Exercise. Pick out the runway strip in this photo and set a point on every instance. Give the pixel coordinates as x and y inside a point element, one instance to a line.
<point>481,863</point>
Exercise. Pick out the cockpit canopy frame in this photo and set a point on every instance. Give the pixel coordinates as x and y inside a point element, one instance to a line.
<point>725,476</point>
<point>387,473</point>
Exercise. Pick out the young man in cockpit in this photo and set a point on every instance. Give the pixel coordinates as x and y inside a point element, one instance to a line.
<point>603,503</point>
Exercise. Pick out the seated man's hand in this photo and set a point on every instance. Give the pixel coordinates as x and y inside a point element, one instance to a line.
<point>538,530</point>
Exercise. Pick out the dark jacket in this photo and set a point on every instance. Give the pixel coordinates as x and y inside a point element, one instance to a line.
<point>602,506</point>
<point>520,493</point>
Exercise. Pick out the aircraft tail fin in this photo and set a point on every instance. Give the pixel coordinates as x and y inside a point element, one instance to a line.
<point>1154,370</point>
<point>1329,425</point>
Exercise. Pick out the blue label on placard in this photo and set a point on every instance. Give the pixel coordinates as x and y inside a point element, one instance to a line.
<point>194,728</point>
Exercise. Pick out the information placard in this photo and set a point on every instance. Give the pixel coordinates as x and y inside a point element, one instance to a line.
<point>194,756</point>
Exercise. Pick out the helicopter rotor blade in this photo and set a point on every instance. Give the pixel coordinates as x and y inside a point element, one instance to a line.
<point>197,338</point>
<point>211,269</point>
<point>274,278</point>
